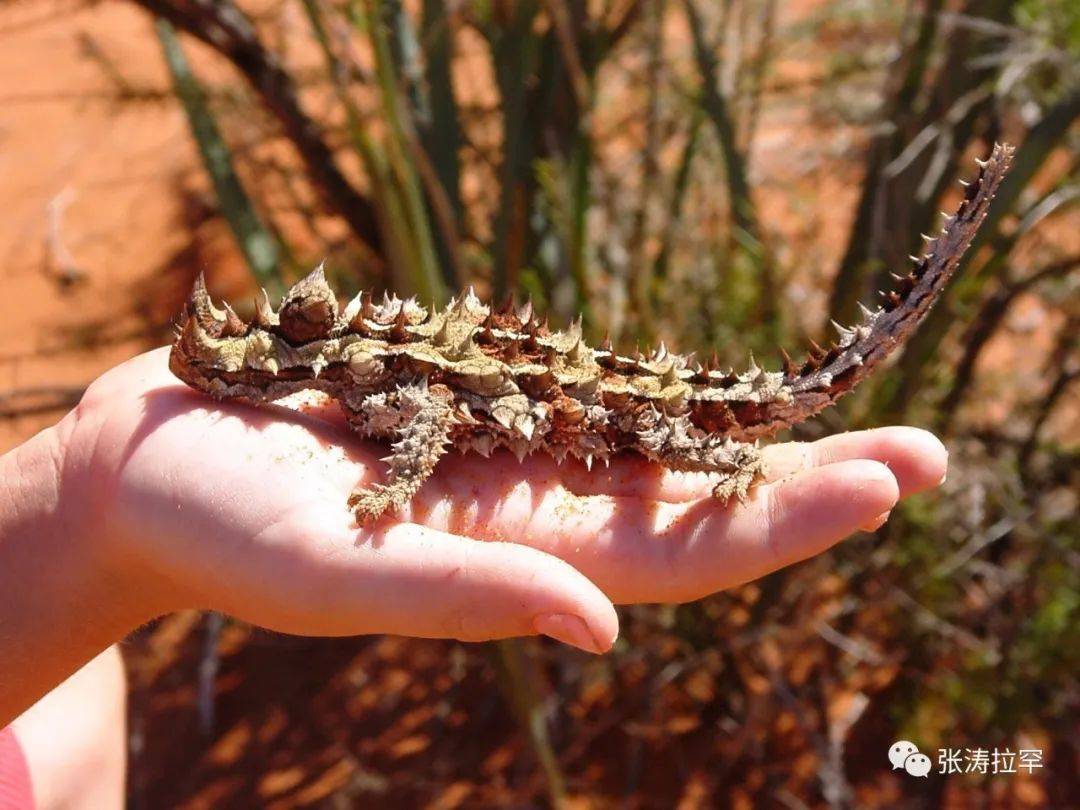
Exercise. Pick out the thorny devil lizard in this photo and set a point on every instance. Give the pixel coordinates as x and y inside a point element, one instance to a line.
<point>473,378</point>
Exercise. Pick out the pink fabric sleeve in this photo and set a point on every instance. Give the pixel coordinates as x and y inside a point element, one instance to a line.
<point>16,793</point>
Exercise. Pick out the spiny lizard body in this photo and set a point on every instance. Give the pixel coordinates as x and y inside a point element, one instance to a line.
<point>476,379</point>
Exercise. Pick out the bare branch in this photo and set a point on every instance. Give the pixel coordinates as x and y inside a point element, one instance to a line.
<point>226,29</point>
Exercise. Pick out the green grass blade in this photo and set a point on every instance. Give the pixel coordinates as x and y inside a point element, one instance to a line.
<point>259,246</point>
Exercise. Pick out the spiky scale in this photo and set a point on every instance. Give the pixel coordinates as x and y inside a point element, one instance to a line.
<point>480,381</point>
<point>787,363</point>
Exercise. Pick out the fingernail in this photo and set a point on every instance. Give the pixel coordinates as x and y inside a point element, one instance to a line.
<point>568,629</point>
<point>876,523</point>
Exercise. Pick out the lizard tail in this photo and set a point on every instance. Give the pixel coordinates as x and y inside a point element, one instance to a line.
<point>828,374</point>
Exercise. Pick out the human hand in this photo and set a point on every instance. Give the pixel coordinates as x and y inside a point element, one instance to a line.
<point>197,503</point>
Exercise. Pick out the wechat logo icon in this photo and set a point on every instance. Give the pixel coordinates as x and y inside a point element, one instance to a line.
<point>905,755</point>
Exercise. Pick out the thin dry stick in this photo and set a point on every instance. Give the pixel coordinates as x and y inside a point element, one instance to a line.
<point>983,327</point>
<point>641,281</point>
<point>1064,364</point>
<point>747,227</point>
<point>226,29</point>
<point>564,33</point>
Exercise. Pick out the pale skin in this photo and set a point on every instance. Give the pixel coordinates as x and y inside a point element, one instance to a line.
<point>150,498</point>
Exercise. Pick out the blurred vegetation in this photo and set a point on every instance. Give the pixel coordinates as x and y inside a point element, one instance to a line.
<point>624,159</point>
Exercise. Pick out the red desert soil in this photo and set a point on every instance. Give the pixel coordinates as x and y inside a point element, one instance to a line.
<point>106,221</point>
<point>105,218</point>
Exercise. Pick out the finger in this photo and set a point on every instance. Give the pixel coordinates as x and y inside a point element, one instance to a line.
<point>645,551</point>
<point>406,579</point>
<point>917,458</point>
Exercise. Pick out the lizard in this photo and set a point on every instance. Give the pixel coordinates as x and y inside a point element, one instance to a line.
<point>477,378</point>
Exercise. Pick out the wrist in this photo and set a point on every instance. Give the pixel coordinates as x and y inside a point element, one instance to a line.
<point>65,598</point>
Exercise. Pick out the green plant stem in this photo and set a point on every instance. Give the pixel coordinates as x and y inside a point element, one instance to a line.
<point>258,245</point>
<point>516,669</point>
<point>425,275</point>
<point>747,229</point>
<point>228,30</point>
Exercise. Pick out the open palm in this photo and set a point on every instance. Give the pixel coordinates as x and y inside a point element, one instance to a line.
<point>224,506</point>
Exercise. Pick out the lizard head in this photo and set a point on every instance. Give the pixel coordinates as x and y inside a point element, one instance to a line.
<point>307,338</point>
<point>213,343</point>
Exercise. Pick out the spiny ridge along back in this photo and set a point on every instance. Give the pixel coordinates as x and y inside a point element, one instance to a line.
<point>479,378</point>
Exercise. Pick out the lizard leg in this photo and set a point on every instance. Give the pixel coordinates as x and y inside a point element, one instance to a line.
<point>423,417</point>
<point>740,467</point>
<point>677,444</point>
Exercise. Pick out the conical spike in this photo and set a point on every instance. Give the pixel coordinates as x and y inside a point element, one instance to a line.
<point>209,316</point>
<point>354,321</point>
<point>465,414</point>
<point>312,282</point>
<point>398,330</point>
<point>866,313</point>
<point>367,307</point>
<point>576,327</point>
<point>459,305</point>
<point>486,329</point>
<point>468,343</point>
<point>470,299</point>
<point>576,353</point>
<point>786,362</point>
<point>234,325</point>
<point>442,334</point>
<point>426,313</point>
<point>530,332</point>
<point>525,314</point>
<point>265,317</point>
<point>605,344</point>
